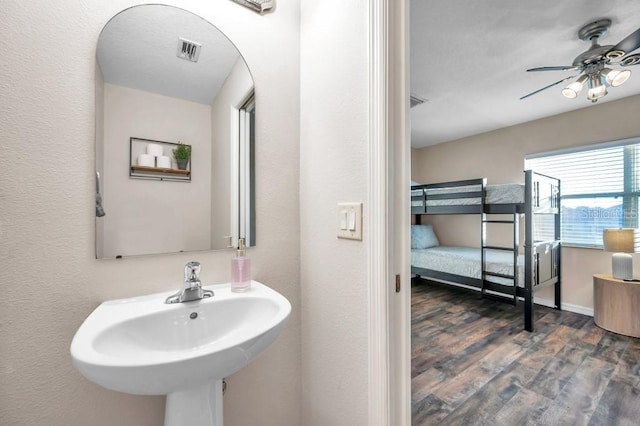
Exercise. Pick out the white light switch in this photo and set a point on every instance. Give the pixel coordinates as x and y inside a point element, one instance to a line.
<point>350,221</point>
<point>343,220</point>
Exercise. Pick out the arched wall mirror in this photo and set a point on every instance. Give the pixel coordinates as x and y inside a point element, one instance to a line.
<point>166,77</point>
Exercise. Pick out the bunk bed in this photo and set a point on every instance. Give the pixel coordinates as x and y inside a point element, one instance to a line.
<point>500,272</point>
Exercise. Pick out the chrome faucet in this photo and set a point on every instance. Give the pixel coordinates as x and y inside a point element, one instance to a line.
<point>192,286</point>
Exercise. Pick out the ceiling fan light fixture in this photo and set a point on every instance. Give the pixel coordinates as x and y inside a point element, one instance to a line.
<point>615,77</point>
<point>614,54</point>
<point>573,89</point>
<point>593,64</point>
<point>630,60</point>
<point>596,89</point>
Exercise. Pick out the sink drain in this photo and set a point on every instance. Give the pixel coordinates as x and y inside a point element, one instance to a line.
<point>193,315</point>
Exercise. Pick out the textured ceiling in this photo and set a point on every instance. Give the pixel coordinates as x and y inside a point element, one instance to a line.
<point>138,49</point>
<point>468,59</point>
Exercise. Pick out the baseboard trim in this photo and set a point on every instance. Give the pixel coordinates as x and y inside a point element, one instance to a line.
<point>570,307</point>
<point>565,306</point>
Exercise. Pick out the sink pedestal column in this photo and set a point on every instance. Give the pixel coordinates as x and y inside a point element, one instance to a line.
<point>200,406</point>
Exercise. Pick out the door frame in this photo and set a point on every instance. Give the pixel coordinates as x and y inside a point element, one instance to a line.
<point>389,218</point>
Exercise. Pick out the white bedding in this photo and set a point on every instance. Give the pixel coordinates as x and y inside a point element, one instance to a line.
<point>466,261</point>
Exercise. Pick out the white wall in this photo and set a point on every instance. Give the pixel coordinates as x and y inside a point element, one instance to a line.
<point>234,91</point>
<point>50,278</point>
<point>152,216</point>
<point>333,168</point>
<point>499,156</point>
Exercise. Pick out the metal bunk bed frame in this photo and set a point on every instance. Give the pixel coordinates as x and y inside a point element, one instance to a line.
<point>542,258</point>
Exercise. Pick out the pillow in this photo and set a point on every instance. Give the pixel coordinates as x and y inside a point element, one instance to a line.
<point>422,237</point>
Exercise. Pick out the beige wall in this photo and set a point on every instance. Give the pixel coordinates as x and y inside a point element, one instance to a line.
<point>50,278</point>
<point>499,156</point>
<point>333,168</point>
<point>234,91</point>
<point>152,216</point>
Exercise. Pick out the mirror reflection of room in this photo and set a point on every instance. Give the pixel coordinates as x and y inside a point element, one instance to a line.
<point>166,80</point>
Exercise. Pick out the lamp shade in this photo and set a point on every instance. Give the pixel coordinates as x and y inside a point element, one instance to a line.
<point>622,240</point>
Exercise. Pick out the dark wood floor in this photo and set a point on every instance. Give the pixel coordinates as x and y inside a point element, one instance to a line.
<point>473,364</point>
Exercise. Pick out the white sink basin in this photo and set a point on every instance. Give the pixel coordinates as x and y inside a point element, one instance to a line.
<point>143,346</point>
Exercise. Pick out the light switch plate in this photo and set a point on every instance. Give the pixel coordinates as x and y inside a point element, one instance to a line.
<point>353,210</point>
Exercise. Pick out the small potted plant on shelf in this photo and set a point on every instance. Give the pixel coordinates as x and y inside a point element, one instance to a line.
<point>182,154</point>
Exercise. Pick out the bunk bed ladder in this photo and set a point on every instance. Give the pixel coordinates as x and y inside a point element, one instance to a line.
<point>510,293</point>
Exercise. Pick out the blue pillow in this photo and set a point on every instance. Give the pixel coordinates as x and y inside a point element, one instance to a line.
<point>422,237</point>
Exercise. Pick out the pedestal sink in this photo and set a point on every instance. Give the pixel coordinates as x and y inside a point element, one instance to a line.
<point>143,346</point>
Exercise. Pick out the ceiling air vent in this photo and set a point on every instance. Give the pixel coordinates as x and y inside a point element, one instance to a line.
<point>415,100</point>
<point>189,50</point>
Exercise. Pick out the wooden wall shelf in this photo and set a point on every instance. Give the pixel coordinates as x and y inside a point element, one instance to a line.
<point>138,146</point>
<point>146,169</point>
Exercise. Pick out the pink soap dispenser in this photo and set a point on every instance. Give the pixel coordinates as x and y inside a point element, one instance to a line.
<point>240,269</point>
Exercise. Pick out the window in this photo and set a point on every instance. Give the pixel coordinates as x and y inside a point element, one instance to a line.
<point>599,188</point>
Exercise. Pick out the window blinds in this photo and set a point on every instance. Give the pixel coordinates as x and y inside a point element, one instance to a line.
<point>599,190</point>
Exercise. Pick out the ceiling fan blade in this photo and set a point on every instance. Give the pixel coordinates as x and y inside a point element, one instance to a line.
<point>558,68</point>
<point>629,44</point>
<point>546,87</point>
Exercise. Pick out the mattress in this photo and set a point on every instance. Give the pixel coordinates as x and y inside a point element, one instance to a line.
<point>466,261</point>
<point>508,193</point>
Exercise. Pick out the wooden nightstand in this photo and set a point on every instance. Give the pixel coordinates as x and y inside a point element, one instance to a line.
<point>616,305</point>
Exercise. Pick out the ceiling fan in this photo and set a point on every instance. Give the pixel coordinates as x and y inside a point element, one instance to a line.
<point>593,65</point>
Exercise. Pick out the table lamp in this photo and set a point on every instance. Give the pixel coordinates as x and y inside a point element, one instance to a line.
<point>621,241</point>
